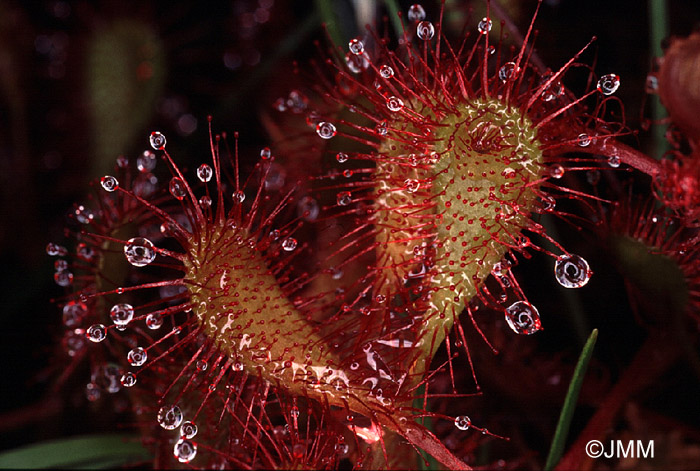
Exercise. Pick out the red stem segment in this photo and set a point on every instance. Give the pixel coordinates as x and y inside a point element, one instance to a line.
<point>627,155</point>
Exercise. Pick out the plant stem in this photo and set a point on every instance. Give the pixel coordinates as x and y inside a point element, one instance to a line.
<point>627,155</point>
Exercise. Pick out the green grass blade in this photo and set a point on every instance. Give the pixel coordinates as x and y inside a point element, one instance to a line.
<point>567,412</point>
<point>427,422</point>
<point>85,452</point>
<point>328,16</point>
<point>392,7</point>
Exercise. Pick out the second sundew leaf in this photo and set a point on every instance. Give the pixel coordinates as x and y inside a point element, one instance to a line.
<point>448,216</point>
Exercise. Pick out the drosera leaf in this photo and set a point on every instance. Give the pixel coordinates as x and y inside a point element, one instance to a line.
<point>84,452</point>
<point>567,412</point>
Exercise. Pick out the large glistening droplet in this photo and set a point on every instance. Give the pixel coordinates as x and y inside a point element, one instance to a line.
<point>608,84</point>
<point>139,251</point>
<point>386,71</point>
<point>572,271</point>
<point>128,379</point>
<point>146,162</point>
<point>356,46</point>
<point>505,73</point>
<point>109,183</point>
<point>121,314</point>
<point>137,356</point>
<point>485,25</point>
<point>523,318</point>
<point>289,244</point>
<point>204,173</point>
<point>185,450</point>
<point>463,422</point>
<point>170,417</point>
<point>425,30</point>
<point>325,130</point>
<point>177,188</point>
<point>158,140</point>
<point>343,198</point>
<point>188,429</point>
<point>416,12</point>
<point>96,333</point>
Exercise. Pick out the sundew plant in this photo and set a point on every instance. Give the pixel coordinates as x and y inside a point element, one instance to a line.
<point>437,250</point>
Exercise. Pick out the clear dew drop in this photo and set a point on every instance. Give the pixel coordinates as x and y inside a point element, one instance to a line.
<point>357,63</point>
<point>73,313</point>
<point>341,448</point>
<point>485,25</point>
<point>394,103</point>
<point>386,71</point>
<point>381,128</point>
<point>548,203</point>
<point>158,140</point>
<point>523,318</point>
<point>553,90</point>
<point>463,422</point>
<point>614,161</point>
<point>341,157</point>
<point>201,365</point>
<point>185,450</point>
<point>343,198</point>
<point>238,196</point>
<point>188,429</point>
<point>122,162</point>
<point>96,333</point>
<point>289,244</point>
<point>572,271</point>
<point>556,171</point>
<point>275,177</point>
<point>121,314</point>
<point>55,250</point>
<point>412,185</point>
<point>505,73</point>
<point>63,278</point>
<point>83,214</point>
<point>170,417</point>
<point>652,84</point>
<point>416,12</point>
<point>139,251</point>
<point>154,321</point>
<point>608,84</point>
<point>205,201</point>
<point>137,356</point>
<point>109,183</point>
<point>325,130</point>
<point>308,209</point>
<point>356,46</point>
<point>425,30</point>
<point>177,188</point>
<point>92,392</point>
<point>583,140</point>
<point>204,173</point>
<point>146,162</point>
<point>265,153</point>
<point>128,379</point>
